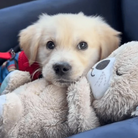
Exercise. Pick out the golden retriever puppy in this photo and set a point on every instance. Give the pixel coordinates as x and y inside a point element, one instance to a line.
<point>68,45</point>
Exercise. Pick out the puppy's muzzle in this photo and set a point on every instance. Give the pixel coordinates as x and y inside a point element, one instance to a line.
<point>62,68</point>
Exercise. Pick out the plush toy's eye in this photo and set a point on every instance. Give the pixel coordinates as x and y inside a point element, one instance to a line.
<point>118,73</point>
<point>103,64</point>
<point>82,45</point>
<point>50,45</point>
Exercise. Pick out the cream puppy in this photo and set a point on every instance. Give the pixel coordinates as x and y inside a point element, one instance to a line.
<point>68,45</point>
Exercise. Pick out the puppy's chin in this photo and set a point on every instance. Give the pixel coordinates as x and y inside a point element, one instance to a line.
<point>61,82</point>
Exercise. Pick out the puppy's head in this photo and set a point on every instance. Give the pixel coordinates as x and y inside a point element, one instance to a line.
<point>67,45</point>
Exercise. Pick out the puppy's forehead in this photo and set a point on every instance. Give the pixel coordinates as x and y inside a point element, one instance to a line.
<point>73,21</point>
<point>69,29</point>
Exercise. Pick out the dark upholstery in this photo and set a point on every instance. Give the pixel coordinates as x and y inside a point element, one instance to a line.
<point>130,19</point>
<point>120,14</point>
<point>123,129</point>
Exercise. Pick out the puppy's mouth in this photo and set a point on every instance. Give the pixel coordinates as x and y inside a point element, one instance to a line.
<point>64,81</point>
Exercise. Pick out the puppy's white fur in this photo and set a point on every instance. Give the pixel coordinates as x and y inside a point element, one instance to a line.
<point>67,31</point>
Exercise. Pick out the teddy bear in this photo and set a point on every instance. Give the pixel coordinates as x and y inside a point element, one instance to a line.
<point>114,84</point>
<point>107,94</point>
<point>38,109</point>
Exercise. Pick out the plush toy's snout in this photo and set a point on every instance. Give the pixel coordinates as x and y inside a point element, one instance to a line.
<point>99,77</point>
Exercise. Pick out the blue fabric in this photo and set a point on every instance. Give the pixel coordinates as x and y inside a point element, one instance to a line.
<point>6,81</point>
<point>123,129</point>
<point>8,66</point>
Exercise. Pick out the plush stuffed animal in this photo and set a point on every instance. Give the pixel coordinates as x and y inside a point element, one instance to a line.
<point>114,83</point>
<point>38,109</point>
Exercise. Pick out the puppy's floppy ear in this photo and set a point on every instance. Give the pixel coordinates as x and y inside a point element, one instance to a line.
<point>29,42</point>
<point>109,39</point>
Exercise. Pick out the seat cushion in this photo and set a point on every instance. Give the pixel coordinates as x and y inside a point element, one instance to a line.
<point>123,129</point>
<point>130,19</point>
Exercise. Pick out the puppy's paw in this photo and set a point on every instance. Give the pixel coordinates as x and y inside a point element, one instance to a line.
<point>135,113</point>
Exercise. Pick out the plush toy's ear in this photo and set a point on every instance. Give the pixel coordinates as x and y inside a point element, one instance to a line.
<point>109,39</point>
<point>29,42</point>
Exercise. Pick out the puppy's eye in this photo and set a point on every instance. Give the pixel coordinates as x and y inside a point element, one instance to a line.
<point>50,45</point>
<point>82,45</point>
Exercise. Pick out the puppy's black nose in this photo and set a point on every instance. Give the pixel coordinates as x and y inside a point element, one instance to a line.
<point>61,68</point>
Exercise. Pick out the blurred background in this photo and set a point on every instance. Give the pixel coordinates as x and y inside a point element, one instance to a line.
<point>7,3</point>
